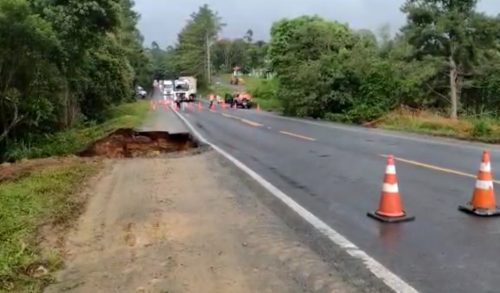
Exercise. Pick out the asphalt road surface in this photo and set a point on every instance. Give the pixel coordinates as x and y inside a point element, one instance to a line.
<point>336,172</point>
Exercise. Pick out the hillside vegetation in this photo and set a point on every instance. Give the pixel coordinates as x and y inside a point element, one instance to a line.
<point>64,64</point>
<point>444,60</point>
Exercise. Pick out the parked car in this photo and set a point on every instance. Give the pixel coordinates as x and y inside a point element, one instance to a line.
<point>140,92</point>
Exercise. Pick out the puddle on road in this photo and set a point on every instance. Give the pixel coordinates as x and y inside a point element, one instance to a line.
<point>129,143</point>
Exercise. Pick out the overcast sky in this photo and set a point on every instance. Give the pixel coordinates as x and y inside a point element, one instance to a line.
<point>161,20</point>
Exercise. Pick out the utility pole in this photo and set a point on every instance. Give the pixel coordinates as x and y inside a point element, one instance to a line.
<point>209,73</point>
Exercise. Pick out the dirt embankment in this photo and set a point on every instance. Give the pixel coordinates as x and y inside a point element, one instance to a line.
<point>186,224</point>
<point>129,143</point>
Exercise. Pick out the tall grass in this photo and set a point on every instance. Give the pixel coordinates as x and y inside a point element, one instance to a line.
<point>481,128</point>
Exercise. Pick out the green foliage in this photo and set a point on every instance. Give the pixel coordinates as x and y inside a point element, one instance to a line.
<point>265,89</point>
<point>243,53</point>
<point>482,128</point>
<point>194,41</point>
<point>64,62</point>
<point>459,39</point>
<point>264,93</point>
<point>42,197</point>
<point>324,67</point>
<point>75,139</point>
<point>326,70</point>
<point>163,62</point>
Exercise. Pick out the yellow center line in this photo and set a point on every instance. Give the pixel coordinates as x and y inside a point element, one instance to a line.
<point>436,168</point>
<point>229,116</point>
<point>249,122</point>
<point>252,123</point>
<point>298,135</point>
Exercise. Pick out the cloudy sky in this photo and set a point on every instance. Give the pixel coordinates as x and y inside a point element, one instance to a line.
<point>161,20</point>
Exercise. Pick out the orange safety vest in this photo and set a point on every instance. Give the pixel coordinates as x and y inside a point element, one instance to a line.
<point>211,97</point>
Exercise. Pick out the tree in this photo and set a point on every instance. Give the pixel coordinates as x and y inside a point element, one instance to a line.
<point>307,55</point>
<point>65,61</point>
<point>222,55</point>
<point>238,54</point>
<point>164,62</point>
<point>248,36</point>
<point>257,55</point>
<point>445,30</point>
<point>195,41</point>
<point>132,41</point>
<point>27,43</point>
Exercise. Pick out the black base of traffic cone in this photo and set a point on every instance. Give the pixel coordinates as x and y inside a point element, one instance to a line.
<point>479,212</point>
<point>386,219</point>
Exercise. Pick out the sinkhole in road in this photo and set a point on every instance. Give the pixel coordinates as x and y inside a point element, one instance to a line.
<point>130,143</point>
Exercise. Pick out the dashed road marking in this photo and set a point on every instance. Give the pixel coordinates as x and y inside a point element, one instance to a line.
<point>436,168</point>
<point>392,280</point>
<point>229,116</point>
<point>246,121</point>
<point>251,123</point>
<point>298,135</point>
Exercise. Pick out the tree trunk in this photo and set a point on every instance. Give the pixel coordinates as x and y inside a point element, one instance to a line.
<point>453,89</point>
<point>15,120</point>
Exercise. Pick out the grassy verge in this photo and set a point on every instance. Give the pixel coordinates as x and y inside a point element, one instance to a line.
<point>478,129</point>
<point>272,105</point>
<point>42,197</point>
<point>264,93</point>
<point>74,140</point>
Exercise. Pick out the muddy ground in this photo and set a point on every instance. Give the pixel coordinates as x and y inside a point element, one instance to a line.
<point>186,224</point>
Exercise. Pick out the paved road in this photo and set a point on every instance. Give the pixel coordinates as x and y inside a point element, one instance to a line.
<point>162,119</point>
<point>336,173</point>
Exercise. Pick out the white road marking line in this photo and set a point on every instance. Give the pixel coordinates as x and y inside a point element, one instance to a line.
<point>389,278</point>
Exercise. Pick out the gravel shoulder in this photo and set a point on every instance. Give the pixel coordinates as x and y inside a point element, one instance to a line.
<point>186,224</point>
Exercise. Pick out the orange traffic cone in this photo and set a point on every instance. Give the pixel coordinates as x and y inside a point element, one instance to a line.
<point>390,208</point>
<point>223,106</point>
<point>483,201</point>
<point>200,107</point>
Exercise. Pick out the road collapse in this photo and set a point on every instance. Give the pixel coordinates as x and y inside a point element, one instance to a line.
<point>130,143</point>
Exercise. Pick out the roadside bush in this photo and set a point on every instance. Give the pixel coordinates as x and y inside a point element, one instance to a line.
<point>365,113</point>
<point>482,128</point>
<point>338,117</point>
<point>264,89</point>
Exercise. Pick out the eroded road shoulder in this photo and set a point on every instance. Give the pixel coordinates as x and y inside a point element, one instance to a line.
<point>186,224</point>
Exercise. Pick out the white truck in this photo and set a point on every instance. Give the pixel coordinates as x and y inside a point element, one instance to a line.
<point>168,89</point>
<point>185,89</point>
